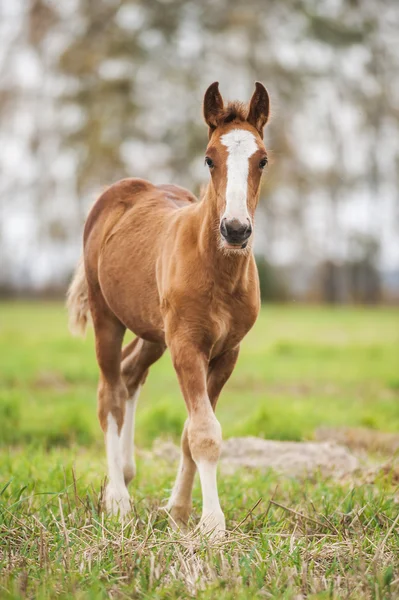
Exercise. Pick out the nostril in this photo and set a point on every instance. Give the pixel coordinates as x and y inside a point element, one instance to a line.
<point>247,233</point>
<point>223,228</point>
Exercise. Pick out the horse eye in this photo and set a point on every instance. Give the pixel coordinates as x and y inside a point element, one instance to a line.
<point>263,163</point>
<point>209,162</point>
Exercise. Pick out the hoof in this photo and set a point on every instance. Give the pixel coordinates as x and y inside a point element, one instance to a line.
<point>213,525</point>
<point>117,501</point>
<point>129,472</point>
<point>178,517</point>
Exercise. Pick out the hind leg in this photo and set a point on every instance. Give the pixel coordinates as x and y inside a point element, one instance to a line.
<point>112,396</point>
<point>137,357</point>
<point>180,502</point>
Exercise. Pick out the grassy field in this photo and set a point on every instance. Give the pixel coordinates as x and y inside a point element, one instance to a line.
<point>300,368</point>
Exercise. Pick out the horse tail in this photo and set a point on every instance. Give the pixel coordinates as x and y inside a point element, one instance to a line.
<point>78,301</point>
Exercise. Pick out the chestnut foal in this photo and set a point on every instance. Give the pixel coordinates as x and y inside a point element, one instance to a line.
<point>178,273</point>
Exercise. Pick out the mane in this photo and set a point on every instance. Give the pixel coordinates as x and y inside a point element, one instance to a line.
<point>234,111</point>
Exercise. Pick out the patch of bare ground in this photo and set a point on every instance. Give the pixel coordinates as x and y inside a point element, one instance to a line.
<point>388,470</point>
<point>340,453</point>
<point>360,439</point>
<point>289,458</point>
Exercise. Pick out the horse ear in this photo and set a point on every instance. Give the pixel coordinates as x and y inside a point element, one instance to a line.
<point>259,108</point>
<point>213,105</point>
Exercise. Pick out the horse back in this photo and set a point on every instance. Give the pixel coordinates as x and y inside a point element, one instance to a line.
<point>124,194</point>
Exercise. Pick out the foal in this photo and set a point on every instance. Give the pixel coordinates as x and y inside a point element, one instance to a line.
<point>179,274</point>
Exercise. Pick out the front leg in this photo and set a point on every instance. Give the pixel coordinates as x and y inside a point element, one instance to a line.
<point>220,369</point>
<point>204,433</point>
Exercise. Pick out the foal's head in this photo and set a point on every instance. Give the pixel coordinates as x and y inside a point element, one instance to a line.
<point>236,157</point>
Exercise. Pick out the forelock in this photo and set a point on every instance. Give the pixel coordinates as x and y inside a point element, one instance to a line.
<point>234,111</point>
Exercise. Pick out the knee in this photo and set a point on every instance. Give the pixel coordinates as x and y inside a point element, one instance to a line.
<point>205,438</point>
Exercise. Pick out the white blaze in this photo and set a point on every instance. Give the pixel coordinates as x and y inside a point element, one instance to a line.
<point>241,145</point>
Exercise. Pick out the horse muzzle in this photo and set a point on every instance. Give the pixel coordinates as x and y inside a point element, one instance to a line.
<point>235,233</point>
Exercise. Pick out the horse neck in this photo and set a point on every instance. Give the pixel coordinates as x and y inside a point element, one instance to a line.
<point>209,240</point>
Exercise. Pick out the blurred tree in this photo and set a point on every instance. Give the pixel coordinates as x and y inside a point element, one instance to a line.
<point>109,88</point>
<point>272,285</point>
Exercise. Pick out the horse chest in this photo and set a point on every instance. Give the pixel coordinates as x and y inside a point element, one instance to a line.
<point>230,322</point>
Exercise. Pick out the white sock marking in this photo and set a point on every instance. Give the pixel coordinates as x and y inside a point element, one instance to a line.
<point>240,144</point>
<point>117,496</point>
<point>127,434</point>
<point>210,498</point>
<point>212,518</point>
<point>114,454</point>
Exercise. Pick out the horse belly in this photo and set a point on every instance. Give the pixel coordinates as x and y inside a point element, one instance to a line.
<point>128,282</point>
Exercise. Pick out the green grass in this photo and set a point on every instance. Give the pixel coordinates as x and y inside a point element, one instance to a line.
<point>300,368</point>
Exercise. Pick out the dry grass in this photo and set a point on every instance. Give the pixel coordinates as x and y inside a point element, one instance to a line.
<point>300,539</point>
<point>290,537</point>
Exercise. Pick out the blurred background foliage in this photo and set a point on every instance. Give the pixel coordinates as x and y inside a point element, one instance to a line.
<point>95,90</point>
